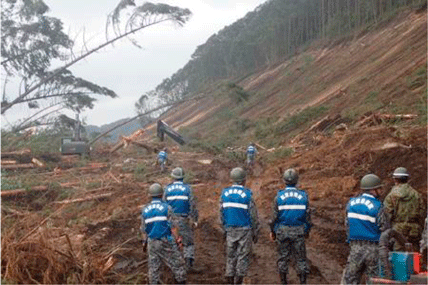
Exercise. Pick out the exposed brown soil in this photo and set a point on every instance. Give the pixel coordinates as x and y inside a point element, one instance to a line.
<point>97,241</point>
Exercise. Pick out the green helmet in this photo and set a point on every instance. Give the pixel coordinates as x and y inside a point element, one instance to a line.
<point>155,190</point>
<point>370,181</point>
<point>177,173</point>
<point>290,176</point>
<point>238,174</point>
<point>400,172</point>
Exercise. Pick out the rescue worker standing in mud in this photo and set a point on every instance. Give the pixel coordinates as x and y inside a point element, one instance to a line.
<point>162,158</point>
<point>180,197</point>
<point>251,154</point>
<point>290,224</point>
<point>406,208</point>
<point>161,237</point>
<point>239,221</point>
<point>365,220</point>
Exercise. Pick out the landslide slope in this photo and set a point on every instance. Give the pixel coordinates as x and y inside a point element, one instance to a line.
<point>89,233</point>
<point>360,83</point>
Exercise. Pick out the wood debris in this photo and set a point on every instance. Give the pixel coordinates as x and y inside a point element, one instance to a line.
<point>8,162</point>
<point>21,191</point>
<point>18,166</point>
<point>125,141</point>
<point>37,162</point>
<point>376,119</point>
<point>25,151</point>
<point>87,198</point>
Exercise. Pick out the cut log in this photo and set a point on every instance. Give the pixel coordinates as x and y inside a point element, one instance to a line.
<point>18,166</point>
<point>88,198</point>
<point>143,145</point>
<point>20,192</point>
<point>8,162</point>
<point>260,146</point>
<point>17,152</point>
<point>37,162</point>
<point>117,146</point>
<point>125,141</point>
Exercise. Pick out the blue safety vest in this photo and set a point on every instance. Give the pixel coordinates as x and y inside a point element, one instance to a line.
<point>251,150</point>
<point>361,213</point>
<point>155,217</point>
<point>292,205</point>
<point>235,202</point>
<point>177,195</point>
<point>162,155</point>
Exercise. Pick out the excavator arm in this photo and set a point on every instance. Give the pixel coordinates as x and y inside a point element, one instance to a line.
<point>163,128</point>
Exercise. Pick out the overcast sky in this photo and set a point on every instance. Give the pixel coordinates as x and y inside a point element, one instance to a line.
<point>131,71</point>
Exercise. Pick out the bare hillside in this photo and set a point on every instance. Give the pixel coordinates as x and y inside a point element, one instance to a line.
<point>334,113</point>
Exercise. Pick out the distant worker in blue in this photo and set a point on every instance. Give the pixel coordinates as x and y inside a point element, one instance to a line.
<point>251,154</point>
<point>239,221</point>
<point>290,225</point>
<point>180,197</point>
<point>162,158</point>
<point>161,237</point>
<point>365,220</point>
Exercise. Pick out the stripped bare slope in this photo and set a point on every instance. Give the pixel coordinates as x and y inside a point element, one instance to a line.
<point>340,76</point>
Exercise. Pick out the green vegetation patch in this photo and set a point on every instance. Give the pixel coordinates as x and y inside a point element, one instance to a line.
<point>299,119</point>
<point>417,79</point>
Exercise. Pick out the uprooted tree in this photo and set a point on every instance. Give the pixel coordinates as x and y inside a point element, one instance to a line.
<point>31,40</point>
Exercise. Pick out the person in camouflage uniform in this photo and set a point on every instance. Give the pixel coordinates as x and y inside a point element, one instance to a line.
<point>365,221</point>
<point>160,236</point>
<point>290,224</point>
<point>239,221</point>
<point>406,209</point>
<point>180,197</point>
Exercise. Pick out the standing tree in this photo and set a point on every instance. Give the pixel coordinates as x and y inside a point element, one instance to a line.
<point>30,40</point>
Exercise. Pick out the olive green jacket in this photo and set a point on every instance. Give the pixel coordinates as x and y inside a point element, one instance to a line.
<point>407,210</point>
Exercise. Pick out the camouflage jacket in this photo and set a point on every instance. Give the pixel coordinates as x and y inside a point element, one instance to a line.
<point>406,209</point>
<point>424,240</point>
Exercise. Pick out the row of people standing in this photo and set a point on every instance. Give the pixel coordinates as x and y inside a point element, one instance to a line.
<point>366,218</point>
<point>167,224</point>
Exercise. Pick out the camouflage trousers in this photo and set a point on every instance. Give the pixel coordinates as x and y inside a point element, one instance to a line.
<point>291,242</point>
<point>250,158</point>
<point>363,258</point>
<point>238,251</point>
<point>165,250</point>
<point>185,230</point>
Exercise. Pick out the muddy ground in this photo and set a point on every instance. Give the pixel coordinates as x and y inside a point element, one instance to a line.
<point>45,240</point>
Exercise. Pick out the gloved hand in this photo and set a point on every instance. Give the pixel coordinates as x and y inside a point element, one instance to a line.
<point>272,236</point>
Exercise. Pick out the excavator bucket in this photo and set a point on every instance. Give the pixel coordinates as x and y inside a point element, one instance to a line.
<point>163,128</point>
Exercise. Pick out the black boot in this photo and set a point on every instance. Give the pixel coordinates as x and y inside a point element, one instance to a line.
<point>229,279</point>
<point>302,278</point>
<point>283,277</point>
<point>181,282</point>
<point>239,279</point>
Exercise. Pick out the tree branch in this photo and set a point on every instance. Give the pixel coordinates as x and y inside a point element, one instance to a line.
<point>6,106</point>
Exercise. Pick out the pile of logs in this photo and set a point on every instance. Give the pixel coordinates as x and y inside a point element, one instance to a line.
<point>9,160</point>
